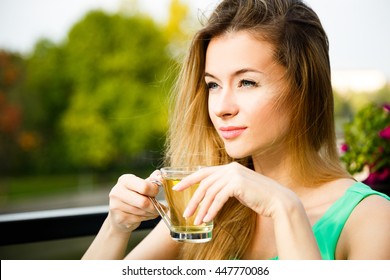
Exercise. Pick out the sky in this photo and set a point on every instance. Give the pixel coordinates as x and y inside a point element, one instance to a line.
<point>358,30</point>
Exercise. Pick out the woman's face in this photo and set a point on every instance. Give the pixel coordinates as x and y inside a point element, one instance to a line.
<point>244,81</point>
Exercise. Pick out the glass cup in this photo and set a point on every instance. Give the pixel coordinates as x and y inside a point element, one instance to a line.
<point>182,229</point>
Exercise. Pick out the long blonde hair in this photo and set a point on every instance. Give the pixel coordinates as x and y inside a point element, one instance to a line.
<point>301,46</point>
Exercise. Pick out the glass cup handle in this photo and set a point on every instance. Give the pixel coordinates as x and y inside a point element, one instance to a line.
<point>160,209</point>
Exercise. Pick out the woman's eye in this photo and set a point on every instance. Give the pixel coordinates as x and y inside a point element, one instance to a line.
<point>247,83</point>
<point>212,85</point>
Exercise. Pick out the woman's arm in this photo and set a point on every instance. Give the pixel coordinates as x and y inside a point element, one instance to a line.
<point>157,245</point>
<point>366,234</point>
<point>129,206</point>
<point>293,233</point>
<point>108,244</point>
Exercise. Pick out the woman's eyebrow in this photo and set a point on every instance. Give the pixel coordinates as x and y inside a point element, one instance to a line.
<point>236,73</point>
<point>209,75</point>
<point>246,70</point>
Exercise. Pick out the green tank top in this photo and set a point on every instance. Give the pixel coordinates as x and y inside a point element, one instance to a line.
<point>328,228</point>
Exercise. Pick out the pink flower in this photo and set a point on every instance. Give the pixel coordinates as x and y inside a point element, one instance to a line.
<point>386,107</point>
<point>385,133</point>
<point>344,147</point>
<point>379,176</point>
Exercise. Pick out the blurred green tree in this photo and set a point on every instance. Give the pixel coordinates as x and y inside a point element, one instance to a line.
<point>95,100</point>
<point>117,65</point>
<point>45,96</point>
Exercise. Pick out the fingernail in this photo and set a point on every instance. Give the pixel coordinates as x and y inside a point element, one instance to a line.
<point>206,218</point>
<point>197,221</point>
<point>186,214</point>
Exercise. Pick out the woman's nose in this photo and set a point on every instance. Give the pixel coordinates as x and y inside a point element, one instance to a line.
<point>224,104</point>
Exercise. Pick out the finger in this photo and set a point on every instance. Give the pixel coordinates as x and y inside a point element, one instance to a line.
<point>123,207</point>
<point>133,199</point>
<point>123,219</point>
<point>193,179</point>
<point>199,196</point>
<point>156,180</point>
<point>155,176</point>
<point>142,202</point>
<point>217,204</point>
<point>139,185</point>
<point>216,192</point>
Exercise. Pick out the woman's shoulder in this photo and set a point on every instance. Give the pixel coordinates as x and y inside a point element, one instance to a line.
<point>373,207</point>
<point>365,234</point>
<point>346,188</point>
<point>364,202</point>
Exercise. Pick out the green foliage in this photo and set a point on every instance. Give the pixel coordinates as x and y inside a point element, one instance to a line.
<point>47,87</point>
<point>96,100</point>
<point>365,145</point>
<point>117,64</point>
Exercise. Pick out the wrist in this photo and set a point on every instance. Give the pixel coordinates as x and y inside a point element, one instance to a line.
<point>293,232</point>
<point>288,206</point>
<point>115,230</point>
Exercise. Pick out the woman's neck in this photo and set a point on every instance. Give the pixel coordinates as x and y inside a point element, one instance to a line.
<point>276,167</point>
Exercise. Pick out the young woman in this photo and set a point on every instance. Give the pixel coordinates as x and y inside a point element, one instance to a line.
<point>254,102</point>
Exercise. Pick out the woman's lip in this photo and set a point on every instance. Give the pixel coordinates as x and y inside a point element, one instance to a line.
<point>230,132</point>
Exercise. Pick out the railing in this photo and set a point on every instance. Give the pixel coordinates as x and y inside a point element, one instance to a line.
<point>54,224</point>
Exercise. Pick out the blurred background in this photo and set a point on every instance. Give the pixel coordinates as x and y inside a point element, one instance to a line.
<point>84,84</point>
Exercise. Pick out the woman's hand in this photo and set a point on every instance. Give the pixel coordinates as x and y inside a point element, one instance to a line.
<point>129,206</point>
<point>129,202</point>
<point>219,183</point>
